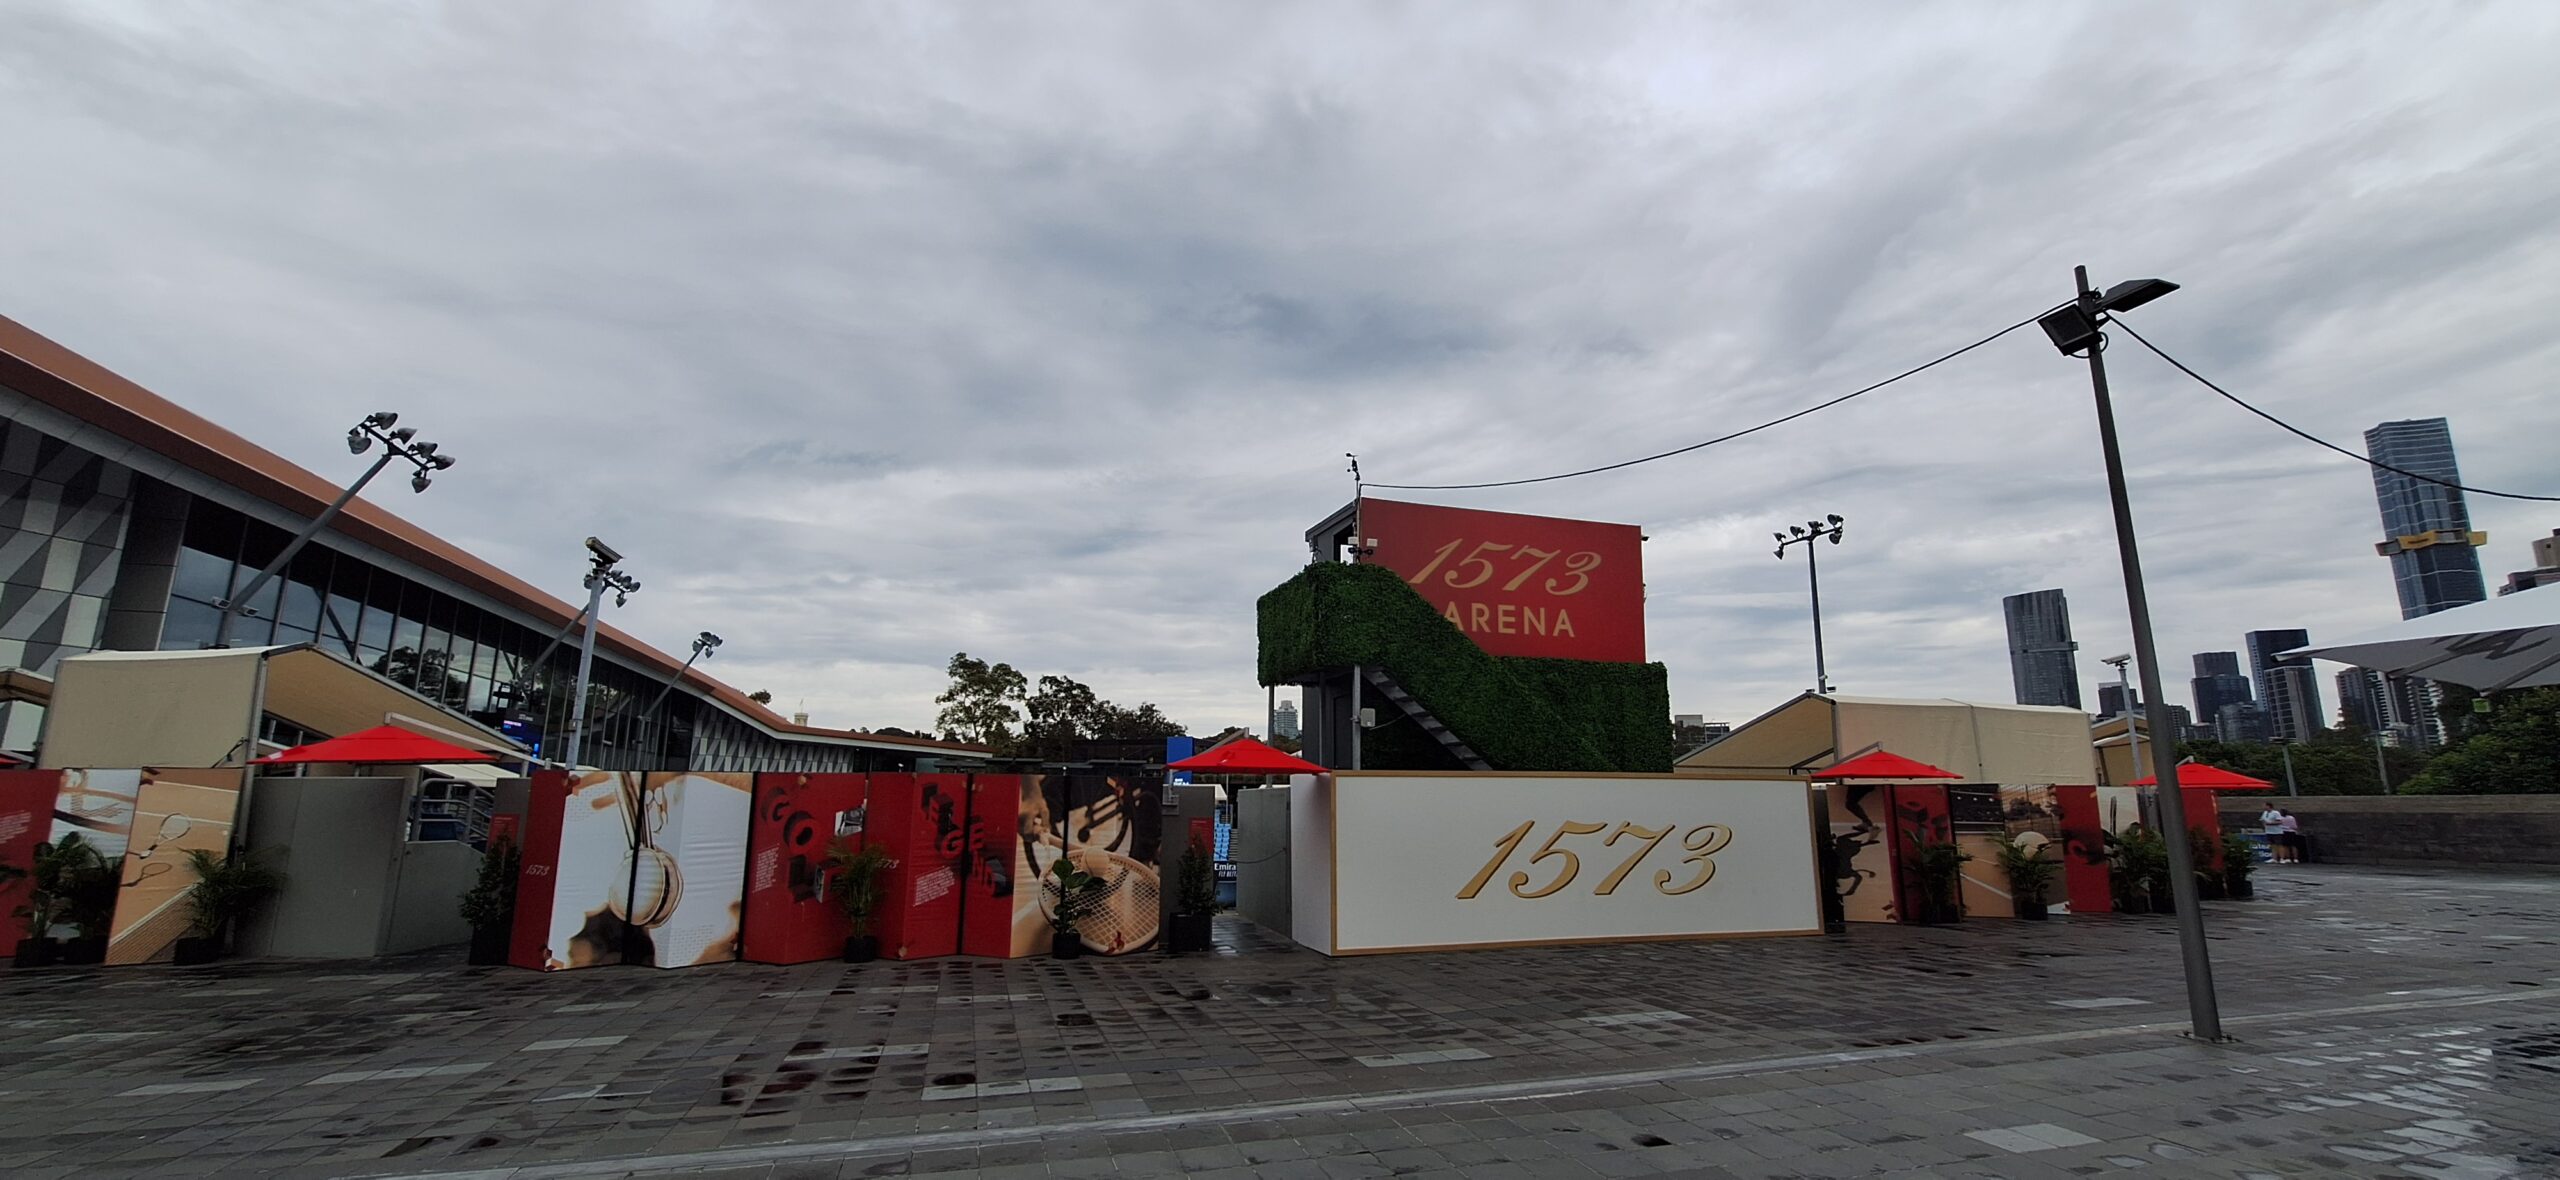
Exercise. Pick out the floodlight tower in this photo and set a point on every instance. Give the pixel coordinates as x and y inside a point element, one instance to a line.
<point>1806,534</point>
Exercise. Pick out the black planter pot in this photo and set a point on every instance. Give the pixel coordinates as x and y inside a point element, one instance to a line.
<point>35,952</point>
<point>2133,904</point>
<point>2240,888</point>
<point>489,946</point>
<point>84,952</point>
<point>1188,932</point>
<point>2033,911</point>
<point>196,952</point>
<point>1066,944</point>
<point>861,948</point>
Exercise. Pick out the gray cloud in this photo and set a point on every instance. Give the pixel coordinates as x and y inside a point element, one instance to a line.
<point>889,331</point>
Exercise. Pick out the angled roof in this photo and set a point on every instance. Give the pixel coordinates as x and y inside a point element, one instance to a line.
<point>87,391</point>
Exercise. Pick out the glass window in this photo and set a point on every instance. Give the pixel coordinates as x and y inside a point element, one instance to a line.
<point>213,529</point>
<point>189,626</point>
<point>374,632</point>
<point>263,606</point>
<point>201,576</point>
<point>407,634</point>
<point>284,635</point>
<point>306,579</point>
<point>339,621</point>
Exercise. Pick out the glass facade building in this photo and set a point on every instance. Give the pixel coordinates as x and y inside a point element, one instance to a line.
<point>2288,686</point>
<point>2042,664</point>
<point>2426,526</point>
<point>126,519</point>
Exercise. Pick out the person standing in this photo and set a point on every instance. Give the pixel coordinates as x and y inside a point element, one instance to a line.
<point>2279,847</point>
<point>2295,845</point>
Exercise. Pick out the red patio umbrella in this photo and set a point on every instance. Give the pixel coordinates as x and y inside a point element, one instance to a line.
<point>1881,764</point>
<point>2198,774</point>
<point>380,744</point>
<point>1247,756</point>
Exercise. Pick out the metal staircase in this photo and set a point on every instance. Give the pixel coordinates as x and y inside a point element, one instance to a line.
<point>1387,687</point>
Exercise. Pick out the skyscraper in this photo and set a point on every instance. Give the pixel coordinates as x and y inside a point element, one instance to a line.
<point>2288,687</point>
<point>2041,665</point>
<point>2112,699</point>
<point>2217,682</point>
<point>1284,720</point>
<point>2426,527</point>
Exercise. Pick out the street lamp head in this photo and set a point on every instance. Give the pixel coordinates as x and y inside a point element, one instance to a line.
<point>423,449</point>
<point>2133,293</point>
<point>384,419</point>
<point>358,442</point>
<point>1782,537</point>
<point>440,462</point>
<point>404,434</point>
<point>2071,328</point>
<point>1797,529</point>
<point>1835,534</point>
<point>419,482</point>
<point>606,554</point>
<point>1834,518</point>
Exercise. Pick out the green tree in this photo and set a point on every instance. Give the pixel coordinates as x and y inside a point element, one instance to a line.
<point>2516,750</point>
<point>761,696</point>
<point>980,706</point>
<point>1061,712</point>
<point>1145,721</point>
<point>2338,762</point>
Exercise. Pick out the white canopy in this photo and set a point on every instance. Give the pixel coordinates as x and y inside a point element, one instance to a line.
<point>2511,641</point>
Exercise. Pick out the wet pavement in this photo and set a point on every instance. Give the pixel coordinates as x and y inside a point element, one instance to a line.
<point>2389,1023</point>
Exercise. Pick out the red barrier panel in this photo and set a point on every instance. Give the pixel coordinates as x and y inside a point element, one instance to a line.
<point>2085,878</point>
<point>26,820</point>
<point>792,914</point>
<point>538,870</point>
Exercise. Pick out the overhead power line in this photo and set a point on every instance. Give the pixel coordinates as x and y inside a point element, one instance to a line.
<point>1815,408</point>
<point>2307,436</point>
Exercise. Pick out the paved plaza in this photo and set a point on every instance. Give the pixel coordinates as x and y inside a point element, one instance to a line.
<point>2389,1023</point>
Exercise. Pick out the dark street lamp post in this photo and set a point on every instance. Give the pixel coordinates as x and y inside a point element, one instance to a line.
<point>1806,534</point>
<point>2075,327</point>
<point>396,444</point>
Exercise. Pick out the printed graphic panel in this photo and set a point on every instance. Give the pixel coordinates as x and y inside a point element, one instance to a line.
<point>1858,823</point>
<point>538,875</point>
<point>925,823</point>
<point>2032,816</point>
<point>1006,917</point>
<point>1917,812</point>
<point>1488,860</point>
<point>175,811</point>
<point>1114,829</point>
<point>591,873</point>
<point>1519,585</point>
<point>792,912</point>
<point>26,820</point>
<point>1980,828</point>
<point>2084,851</point>
<point>689,872</point>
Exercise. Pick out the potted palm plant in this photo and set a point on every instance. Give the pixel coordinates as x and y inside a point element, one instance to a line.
<point>858,871</point>
<point>2126,878</point>
<point>90,908</point>
<point>227,890</point>
<point>2030,874</point>
<point>490,904</point>
<point>1078,892</point>
<point>2239,859</point>
<point>1938,867</point>
<point>62,880</point>
<point>1195,899</point>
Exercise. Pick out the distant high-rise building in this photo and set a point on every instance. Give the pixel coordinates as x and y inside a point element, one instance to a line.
<point>2546,566</point>
<point>1691,731</point>
<point>2360,700</point>
<point>2426,526</point>
<point>2041,665</point>
<point>2113,699</point>
<point>1284,720</point>
<point>2218,682</point>
<point>2288,688</point>
<point>2240,721</point>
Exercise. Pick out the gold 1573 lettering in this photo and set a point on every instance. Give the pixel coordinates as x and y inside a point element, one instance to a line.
<point>1701,843</point>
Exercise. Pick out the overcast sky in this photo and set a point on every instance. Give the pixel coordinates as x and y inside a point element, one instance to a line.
<point>875,333</point>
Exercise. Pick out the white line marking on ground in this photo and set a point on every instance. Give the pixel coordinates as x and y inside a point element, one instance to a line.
<point>2031,1137</point>
<point>400,1073</point>
<point>842,1052</point>
<point>1001,1089</point>
<point>573,1043</point>
<point>2100,1002</point>
<point>598,1006</point>
<point>189,1088</point>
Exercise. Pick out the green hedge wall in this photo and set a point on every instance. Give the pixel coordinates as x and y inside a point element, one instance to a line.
<point>1520,714</point>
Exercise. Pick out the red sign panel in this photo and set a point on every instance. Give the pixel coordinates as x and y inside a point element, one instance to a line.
<point>1518,585</point>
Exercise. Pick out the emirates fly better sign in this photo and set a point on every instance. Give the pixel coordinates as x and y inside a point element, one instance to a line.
<point>1518,585</point>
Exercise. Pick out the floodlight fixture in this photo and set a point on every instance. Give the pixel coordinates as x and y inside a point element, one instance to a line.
<point>2133,293</point>
<point>404,434</point>
<point>358,441</point>
<point>419,482</point>
<point>372,428</point>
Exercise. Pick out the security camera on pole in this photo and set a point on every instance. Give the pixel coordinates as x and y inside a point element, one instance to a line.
<point>396,444</point>
<point>601,576</point>
<point>2076,329</point>
<point>1806,534</point>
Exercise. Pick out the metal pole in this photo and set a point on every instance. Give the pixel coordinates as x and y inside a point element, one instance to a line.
<point>2132,732</point>
<point>2203,1010</point>
<point>1813,576</point>
<point>1355,716</point>
<point>2380,767</point>
<point>586,663</point>
<point>236,605</point>
<point>2286,749</point>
